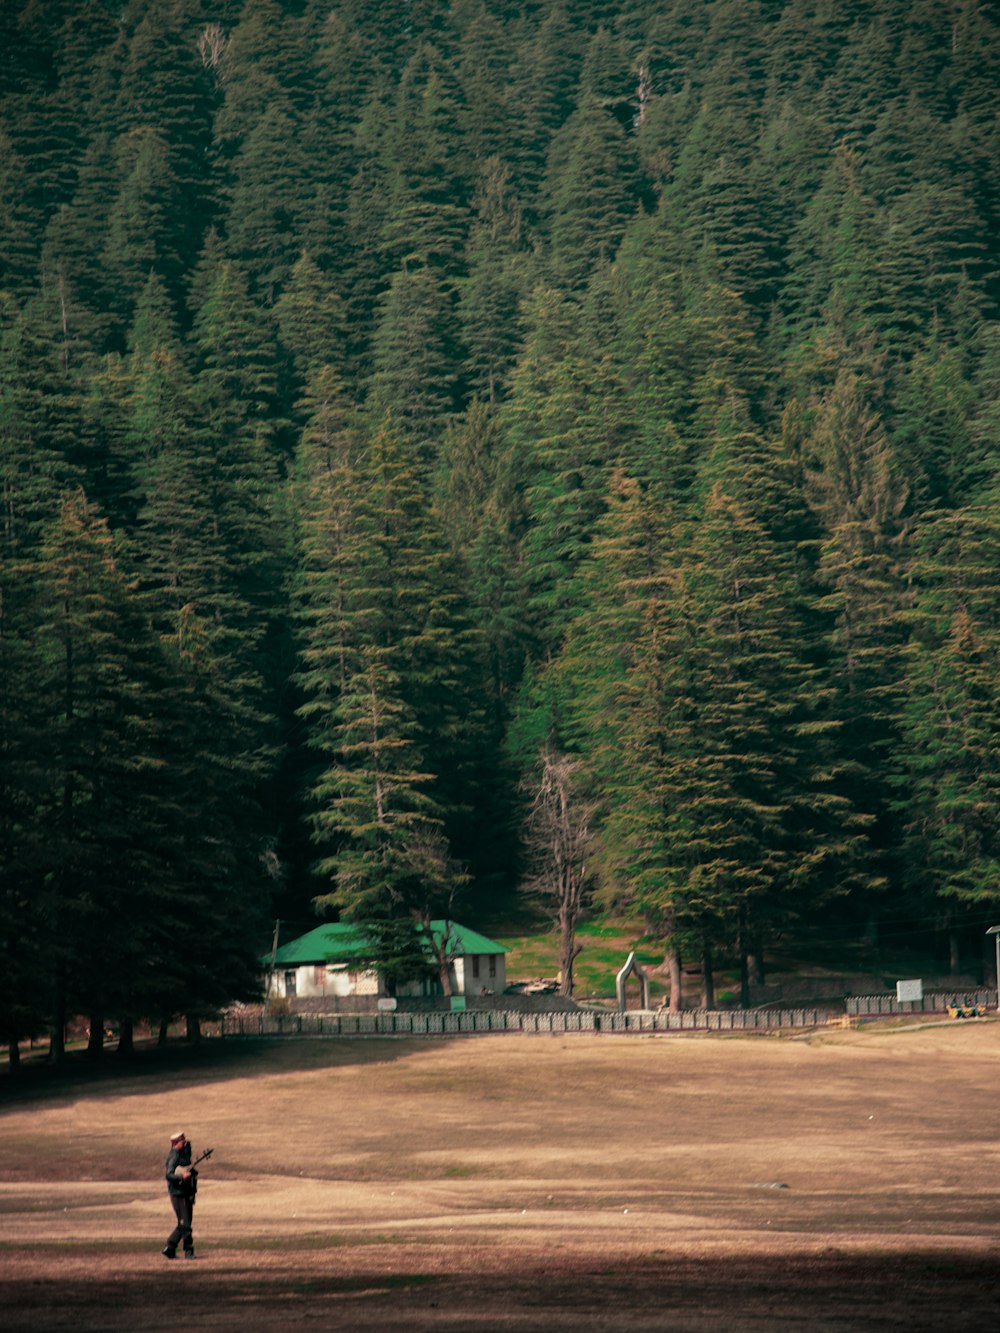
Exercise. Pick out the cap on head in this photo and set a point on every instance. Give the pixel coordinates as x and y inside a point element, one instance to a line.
<point>176,1138</point>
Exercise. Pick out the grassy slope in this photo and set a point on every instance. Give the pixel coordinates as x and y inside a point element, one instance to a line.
<point>813,971</point>
<point>534,953</point>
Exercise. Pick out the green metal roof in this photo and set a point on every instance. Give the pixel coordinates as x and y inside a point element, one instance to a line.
<point>340,943</point>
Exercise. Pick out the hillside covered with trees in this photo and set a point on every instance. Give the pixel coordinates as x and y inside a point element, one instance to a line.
<point>438,434</point>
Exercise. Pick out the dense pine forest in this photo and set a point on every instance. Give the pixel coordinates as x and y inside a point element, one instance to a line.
<point>462,451</point>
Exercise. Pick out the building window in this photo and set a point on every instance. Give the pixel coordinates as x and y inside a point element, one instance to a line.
<point>493,964</point>
<point>475,965</point>
<point>290,984</point>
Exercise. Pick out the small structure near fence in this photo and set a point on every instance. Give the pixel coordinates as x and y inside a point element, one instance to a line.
<point>402,1023</point>
<point>631,968</point>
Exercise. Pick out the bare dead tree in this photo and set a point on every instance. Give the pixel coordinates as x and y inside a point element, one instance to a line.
<point>644,92</point>
<point>212,43</point>
<point>557,838</point>
<point>445,948</point>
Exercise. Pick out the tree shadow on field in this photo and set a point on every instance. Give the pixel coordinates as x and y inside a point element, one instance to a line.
<point>922,1292</point>
<point>185,1065</point>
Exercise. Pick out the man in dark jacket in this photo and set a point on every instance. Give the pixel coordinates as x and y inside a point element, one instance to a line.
<point>182,1186</point>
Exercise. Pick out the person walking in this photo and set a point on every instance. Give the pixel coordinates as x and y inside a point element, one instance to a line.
<point>182,1186</point>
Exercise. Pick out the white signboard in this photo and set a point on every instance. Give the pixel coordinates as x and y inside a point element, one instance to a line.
<point>386,1004</point>
<point>908,992</point>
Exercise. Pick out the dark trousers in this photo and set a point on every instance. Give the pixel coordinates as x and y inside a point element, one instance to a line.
<point>183,1207</point>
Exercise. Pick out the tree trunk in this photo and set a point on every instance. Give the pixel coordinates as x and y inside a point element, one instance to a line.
<point>744,960</point>
<point>757,966</point>
<point>954,953</point>
<point>57,1037</point>
<point>745,1000</point>
<point>707,977</point>
<point>57,1044</point>
<point>673,963</point>
<point>95,1038</point>
<point>569,911</point>
<point>161,1039</point>
<point>14,1055</point>
<point>568,954</point>
<point>126,1037</point>
<point>193,1028</point>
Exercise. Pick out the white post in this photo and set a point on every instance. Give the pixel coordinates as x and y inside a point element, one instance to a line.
<point>995,932</point>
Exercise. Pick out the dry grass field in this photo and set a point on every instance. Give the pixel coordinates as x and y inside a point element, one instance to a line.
<point>844,1181</point>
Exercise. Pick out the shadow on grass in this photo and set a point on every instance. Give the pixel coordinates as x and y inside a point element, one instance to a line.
<point>183,1064</point>
<point>653,1292</point>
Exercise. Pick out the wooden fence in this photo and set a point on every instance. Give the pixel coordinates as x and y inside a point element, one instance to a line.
<point>487,1020</point>
<point>869,1006</point>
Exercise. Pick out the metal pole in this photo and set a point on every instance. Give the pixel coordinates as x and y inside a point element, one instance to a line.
<point>995,932</point>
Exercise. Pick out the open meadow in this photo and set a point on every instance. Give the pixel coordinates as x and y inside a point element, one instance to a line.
<point>846,1180</point>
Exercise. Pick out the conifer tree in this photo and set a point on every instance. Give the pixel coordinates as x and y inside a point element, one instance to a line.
<point>194,505</point>
<point>591,190</point>
<point>373,804</point>
<point>855,488</point>
<point>377,813</point>
<point>236,392</point>
<point>483,62</point>
<point>311,320</point>
<point>932,431</point>
<point>263,214</point>
<point>491,295</point>
<point>427,618</point>
<point>475,500</point>
<point>415,362</point>
<point>949,799</point>
<point>74,251</point>
<point>143,220</point>
<point>19,224</point>
<point>166,86</point>
<point>108,858</point>
<point>559,434</point>
<point>427,189</point>
<point>659,354</point>
<point>344,64</point>
<point>263,63</point>
<point>545,76</point>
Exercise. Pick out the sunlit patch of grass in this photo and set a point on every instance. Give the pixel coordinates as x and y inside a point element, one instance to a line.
<point>606,946</point>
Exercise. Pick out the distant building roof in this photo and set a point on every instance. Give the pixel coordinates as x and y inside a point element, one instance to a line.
<point>342,943</point>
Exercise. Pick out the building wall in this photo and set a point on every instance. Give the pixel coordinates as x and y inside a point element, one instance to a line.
<point>471,974</point>
<point>317,979</point>
<point>476,973</point>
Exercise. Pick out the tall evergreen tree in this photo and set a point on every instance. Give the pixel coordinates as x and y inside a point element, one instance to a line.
<point>855,488</point>
<point>563,443</point>
<point>950,717</point>
<point>491,295</point>
<point>591,190</point>
<point>108,863</point>
<point>378,816</point>
<point>415,362</point>
<point>264,226</point>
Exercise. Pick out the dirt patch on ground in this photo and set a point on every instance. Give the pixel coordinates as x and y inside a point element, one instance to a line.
<point>847,1181</point>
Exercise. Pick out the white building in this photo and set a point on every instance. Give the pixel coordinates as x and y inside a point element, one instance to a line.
<point>328,961</point>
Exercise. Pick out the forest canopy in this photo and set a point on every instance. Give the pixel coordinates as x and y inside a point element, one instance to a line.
<point>403,402</point>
